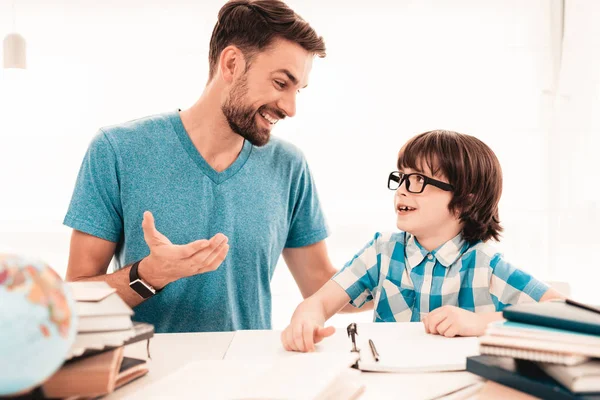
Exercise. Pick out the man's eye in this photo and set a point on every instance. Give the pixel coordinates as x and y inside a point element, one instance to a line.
<point>280,84</point>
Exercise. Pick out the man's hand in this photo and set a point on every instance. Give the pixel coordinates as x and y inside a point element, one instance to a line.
<point>453,321</point>
<point>304,332</point>
<point>168,262</point>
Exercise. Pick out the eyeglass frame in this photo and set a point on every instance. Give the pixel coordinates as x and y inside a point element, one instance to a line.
<point>426,181</point>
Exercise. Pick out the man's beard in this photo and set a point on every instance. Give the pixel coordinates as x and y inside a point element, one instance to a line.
<point>242,119</point>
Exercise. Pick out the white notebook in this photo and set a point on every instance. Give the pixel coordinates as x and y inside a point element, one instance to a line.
<point>578,379</point>
<point>418,352</point>
<point>533,355</point>
<point>111,305</point>
<point>541,345</point>
<point>402,347</point>
<point>90,291</point>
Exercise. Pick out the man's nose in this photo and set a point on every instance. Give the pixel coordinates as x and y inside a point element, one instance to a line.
<point>287,104</point>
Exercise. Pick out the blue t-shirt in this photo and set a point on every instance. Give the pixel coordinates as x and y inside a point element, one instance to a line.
<point>265,201</point>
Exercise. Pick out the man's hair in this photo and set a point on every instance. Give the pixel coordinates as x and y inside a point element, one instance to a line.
<point>252,25</point>
<point>471,167</point>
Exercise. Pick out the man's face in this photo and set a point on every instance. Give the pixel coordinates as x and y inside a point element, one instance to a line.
<point>266,93</point>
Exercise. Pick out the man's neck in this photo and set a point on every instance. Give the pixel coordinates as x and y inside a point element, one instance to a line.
<point>210,133</point>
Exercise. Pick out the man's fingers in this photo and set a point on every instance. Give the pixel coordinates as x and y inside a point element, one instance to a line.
<point>151,234</point>
<point>203,247</point>
<point>148,226</point>
<point>192,248</point>
<point>217,258</point>
<point>213,259</point>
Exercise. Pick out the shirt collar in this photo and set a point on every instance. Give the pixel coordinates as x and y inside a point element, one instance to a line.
<point>446,254</point>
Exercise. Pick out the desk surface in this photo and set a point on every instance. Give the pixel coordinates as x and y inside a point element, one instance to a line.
<point>170,352</point>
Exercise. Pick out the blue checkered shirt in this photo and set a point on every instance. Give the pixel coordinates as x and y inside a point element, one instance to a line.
<point>407,282</point>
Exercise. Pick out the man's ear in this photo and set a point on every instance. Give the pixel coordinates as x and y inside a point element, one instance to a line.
<point>231,63</point>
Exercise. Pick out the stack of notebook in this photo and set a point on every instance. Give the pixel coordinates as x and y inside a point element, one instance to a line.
<point>96,365</point>
<point>550,350</point>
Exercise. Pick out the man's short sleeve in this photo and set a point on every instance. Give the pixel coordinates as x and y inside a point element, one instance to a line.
<point>307,224</point>
<point>509,285</point>
<point>360,276</point>
<point>95,207</point>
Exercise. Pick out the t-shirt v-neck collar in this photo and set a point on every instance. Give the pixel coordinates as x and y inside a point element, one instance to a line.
<point>210,172</point>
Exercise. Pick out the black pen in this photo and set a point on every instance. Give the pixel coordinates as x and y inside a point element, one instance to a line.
<point>581,305</point>
<point>374,350</point>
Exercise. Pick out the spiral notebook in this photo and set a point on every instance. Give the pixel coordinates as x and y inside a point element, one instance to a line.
<point>383,347</point>
<point>533,355</point>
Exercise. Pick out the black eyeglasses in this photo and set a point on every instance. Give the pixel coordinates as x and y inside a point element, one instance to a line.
<point>415,183</point>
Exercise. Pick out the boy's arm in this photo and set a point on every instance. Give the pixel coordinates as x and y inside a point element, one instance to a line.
<point>306,327</point>
<point>552,294</point>
<point>452,321</point>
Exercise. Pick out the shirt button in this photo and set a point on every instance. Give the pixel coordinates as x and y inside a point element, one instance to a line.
<point>430,257</point>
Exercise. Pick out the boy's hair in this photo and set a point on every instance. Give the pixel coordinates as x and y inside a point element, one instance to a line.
<point>252,25</point>
<point>471,167</point>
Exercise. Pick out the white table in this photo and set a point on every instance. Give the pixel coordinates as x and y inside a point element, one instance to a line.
<point>172,351</point>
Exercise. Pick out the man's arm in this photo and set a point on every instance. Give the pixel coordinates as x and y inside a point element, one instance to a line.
<point>90,256</point>
<point>311,268</point>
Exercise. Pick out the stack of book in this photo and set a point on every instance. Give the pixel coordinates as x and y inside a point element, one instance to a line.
<point>549,350</point>
<point>96,365</point>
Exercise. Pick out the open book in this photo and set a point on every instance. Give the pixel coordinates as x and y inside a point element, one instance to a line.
<point>382,347</point>
<point>402,347</point>
<point>94,376</point>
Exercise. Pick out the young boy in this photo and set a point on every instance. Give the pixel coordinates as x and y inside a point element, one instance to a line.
<point>439,269</point>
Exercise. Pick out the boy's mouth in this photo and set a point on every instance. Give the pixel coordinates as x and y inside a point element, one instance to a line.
<point>405,209</point>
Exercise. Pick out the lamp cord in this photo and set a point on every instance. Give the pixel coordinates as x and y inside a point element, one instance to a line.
<point>14,15</point>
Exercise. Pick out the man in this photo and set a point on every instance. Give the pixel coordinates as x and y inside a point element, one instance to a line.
<point>220,199</point>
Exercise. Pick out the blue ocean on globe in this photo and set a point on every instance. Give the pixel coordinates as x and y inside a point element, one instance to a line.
<point>37,323</point>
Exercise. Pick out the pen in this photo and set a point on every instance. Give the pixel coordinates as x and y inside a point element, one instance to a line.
<point>374,350</point>
<point>581,305</point>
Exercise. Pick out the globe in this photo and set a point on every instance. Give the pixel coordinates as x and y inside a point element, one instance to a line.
<point>37,323</point>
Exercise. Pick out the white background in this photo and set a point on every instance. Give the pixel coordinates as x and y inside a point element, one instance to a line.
<point>500,70</point>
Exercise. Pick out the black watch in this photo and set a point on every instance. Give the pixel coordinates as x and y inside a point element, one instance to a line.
<point>141,287</point>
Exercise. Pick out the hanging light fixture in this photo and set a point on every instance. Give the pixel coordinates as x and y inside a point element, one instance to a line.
<point>14,45</point>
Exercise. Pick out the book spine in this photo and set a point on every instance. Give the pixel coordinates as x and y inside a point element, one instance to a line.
<point>515,381</point>
<point>557,323</point>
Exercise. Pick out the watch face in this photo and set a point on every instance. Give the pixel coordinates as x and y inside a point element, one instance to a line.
<point>141,289</point>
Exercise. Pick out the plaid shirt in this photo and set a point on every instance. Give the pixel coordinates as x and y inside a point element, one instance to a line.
<point>407,281</point>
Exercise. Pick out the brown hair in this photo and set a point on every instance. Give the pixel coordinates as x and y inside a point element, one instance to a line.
<point>252,25</point>
<point>471,167</point>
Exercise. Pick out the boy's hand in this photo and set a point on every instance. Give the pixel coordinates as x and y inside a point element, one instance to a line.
<point>453,321</point>
<point>302,334</point>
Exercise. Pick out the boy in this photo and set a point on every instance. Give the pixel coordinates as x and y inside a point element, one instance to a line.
<point>439,269</point>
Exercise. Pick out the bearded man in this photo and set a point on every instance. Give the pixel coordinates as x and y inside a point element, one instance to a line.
<point>196,206</point>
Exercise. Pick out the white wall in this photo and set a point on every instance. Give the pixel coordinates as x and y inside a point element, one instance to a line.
<point>394,69</point>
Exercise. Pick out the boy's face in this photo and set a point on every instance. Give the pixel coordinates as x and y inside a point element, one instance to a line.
<point>428,215</point>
